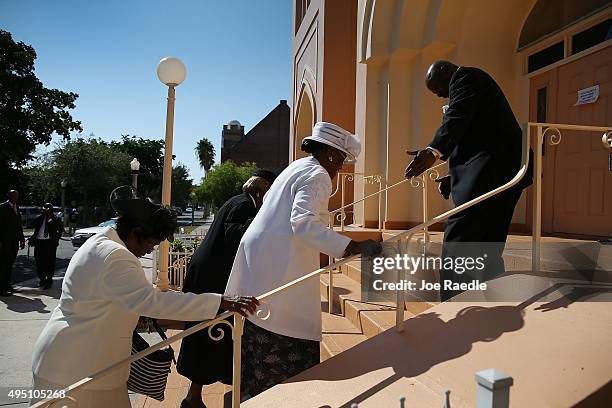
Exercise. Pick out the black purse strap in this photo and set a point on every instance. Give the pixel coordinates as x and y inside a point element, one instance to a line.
<point>161,333</point>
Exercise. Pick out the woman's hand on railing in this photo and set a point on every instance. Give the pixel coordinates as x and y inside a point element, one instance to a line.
<point>367,248</point>
<point>445,186</point>
<point>245,305</point>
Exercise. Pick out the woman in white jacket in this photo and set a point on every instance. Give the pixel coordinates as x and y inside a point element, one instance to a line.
<point>282,244</point>
<point>103,294</point>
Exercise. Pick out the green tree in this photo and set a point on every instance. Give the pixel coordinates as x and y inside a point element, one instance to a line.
<point>224,181</point>
<point>92,168</point>
<point>206,154</point>
<point>150,154</point>
<point>181,185</point>
<point>29,112</point>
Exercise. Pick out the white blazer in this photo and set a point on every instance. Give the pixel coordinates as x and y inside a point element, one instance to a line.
<point>103,294</point>
<point>283,243</point>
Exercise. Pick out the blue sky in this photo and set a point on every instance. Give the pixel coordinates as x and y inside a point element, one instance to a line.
<point>237,54</point>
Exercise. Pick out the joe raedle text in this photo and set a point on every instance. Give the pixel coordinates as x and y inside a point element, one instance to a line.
<point>446,284</point>
<point>411,265</point>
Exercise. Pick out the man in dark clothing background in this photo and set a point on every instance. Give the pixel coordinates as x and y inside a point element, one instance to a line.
<point>11,239</point>
<point>48,230</point>
<point>201,359</point>
<point>482,141</point>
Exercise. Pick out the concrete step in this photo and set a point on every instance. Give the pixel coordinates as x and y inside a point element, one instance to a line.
<point>339,335</point>
<point>352,269</point>
<point>370,318</point>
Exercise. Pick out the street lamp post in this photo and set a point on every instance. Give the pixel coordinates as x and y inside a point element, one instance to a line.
<point>135,166</point>
<point>63,184</point>
<point>171,72</point>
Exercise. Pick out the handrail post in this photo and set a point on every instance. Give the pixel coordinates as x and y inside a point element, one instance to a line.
<point>236,375</point>
<point>399,307</point>
<point>493,389</point>
<point>343,214</point>
<point>330,290</point>
<point>537,200</point>
<point>425,210</point>
<point>379,206</point>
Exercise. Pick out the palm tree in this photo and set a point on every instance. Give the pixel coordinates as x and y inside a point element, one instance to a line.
<point>206,154</point>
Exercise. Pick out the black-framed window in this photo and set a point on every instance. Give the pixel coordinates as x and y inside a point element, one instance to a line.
<point>592,36</point>
<point>545,57</point>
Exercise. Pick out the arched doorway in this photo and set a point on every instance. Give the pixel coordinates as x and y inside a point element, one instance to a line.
<point>303,123</point>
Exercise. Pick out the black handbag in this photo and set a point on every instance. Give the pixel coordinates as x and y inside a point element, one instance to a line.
<point>149,375</point>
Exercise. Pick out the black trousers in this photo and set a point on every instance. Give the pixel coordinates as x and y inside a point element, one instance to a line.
<point>44,253</point>
<point>481,229</point>
<point>8,254</point>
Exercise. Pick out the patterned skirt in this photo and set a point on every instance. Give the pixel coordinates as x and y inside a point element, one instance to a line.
<point>269,358</point>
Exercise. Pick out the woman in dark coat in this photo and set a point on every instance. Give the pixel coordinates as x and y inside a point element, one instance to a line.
<point>201,359</point>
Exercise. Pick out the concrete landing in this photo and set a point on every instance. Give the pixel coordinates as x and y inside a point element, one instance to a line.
<point>558,352</point>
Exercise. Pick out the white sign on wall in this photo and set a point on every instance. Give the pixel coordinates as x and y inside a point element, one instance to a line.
<point>587,95</point>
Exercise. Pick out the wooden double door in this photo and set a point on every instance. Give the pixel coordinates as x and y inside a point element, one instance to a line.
<point>577,183</point>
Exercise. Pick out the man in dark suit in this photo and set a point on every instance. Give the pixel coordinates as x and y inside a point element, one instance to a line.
<point>201,359</point>
<point>45,239</point>
<point>11,239</point>
<point>482,141</point>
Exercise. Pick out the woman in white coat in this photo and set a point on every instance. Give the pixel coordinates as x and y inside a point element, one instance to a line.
<point>282,244</point>
<point>103,294</point>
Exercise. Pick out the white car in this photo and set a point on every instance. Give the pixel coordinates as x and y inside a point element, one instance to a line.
<point>83,234</point>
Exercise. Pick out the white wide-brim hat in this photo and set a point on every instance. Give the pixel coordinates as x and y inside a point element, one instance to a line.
<point>334,136</point>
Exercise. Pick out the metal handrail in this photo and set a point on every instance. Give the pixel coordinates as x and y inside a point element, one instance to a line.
<point>383,190</point>
<point>238,325</point>
<point>431,173</point>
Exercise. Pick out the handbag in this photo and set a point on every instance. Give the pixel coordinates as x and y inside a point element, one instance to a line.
<point>149,375</point>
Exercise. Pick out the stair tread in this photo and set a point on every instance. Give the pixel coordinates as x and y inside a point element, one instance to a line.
<point>339,334</point>
<point>369,317</point>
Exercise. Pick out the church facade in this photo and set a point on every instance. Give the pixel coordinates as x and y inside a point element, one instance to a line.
<point>362,64</point>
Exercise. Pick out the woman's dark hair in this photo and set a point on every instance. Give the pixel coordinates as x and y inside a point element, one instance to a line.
<point>313,147</point>
<point>160,225</point>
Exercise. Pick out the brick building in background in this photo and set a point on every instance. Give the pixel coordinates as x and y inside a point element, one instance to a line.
<point>266,144</point>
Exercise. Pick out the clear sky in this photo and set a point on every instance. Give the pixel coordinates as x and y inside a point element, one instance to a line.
<point>237,54</point>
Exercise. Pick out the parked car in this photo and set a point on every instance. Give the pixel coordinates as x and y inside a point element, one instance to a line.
<point>189,210</point>
<point>83,234</point>
<point>28,214</point>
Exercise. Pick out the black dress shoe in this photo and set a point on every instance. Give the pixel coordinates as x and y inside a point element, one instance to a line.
<point>12,289</point>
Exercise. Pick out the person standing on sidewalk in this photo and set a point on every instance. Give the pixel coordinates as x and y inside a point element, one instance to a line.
<point>47,233</point>
<point>11,239</point>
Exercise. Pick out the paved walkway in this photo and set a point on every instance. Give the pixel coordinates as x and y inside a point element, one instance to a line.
<point>22,317</point>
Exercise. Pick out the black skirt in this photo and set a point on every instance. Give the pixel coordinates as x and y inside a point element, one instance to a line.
<point>206,361</point>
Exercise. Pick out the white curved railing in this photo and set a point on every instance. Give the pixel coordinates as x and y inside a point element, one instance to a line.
<point>340,214</point>
<point>421,181</point>
<point>237,327</point>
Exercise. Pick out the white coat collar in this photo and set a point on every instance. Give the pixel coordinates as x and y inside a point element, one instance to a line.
<point>111,233</point>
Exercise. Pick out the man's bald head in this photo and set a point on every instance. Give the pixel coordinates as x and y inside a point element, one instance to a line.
<point>438,77</point>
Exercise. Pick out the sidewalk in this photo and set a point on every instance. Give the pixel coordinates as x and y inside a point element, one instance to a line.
<point>22,317</point>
